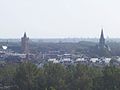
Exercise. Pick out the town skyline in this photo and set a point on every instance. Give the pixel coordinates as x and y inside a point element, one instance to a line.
<point>66,37</point>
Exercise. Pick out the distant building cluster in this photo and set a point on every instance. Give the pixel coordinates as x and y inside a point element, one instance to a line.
<point>10,56</point>
<point>63,57</point>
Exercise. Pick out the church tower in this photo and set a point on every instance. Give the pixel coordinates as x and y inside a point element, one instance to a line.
<point>102,39</point>
<point>103,49</point>
<point>25,44</point>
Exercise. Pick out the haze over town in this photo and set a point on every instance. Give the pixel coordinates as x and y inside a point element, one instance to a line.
<point>59,18</point>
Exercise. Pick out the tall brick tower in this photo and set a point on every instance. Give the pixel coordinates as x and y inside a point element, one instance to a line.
<point>25,44</point>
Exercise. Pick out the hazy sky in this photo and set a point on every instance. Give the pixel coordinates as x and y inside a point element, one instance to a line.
<point>59,18</point>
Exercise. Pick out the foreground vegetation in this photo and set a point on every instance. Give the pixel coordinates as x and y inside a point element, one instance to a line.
<point>28,76</point>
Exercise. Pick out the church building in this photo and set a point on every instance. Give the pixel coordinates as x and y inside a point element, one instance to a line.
<point>103,49</point>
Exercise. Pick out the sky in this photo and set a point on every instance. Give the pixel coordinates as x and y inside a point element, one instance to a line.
<point>59,18</point>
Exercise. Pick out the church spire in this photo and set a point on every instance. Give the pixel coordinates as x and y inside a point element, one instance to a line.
<point>102,39</point>
<point>103,49</point>
<point>102,34</point>
<point>25,34</point>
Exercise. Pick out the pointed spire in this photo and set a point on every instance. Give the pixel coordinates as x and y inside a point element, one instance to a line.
<point>102,34</point>
<point>102,39</point>
<point>25,34</point>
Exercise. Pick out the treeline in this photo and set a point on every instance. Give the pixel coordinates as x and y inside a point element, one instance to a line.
<point>28,76</point>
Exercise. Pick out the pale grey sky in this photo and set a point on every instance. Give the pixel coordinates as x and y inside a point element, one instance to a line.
<point>59,18</point>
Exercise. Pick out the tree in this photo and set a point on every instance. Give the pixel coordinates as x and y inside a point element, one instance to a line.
<point>54,75</point>
<point>111,78</point>
<point>7,73</point>
<point>82,78</point>
<point>26,75</point>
